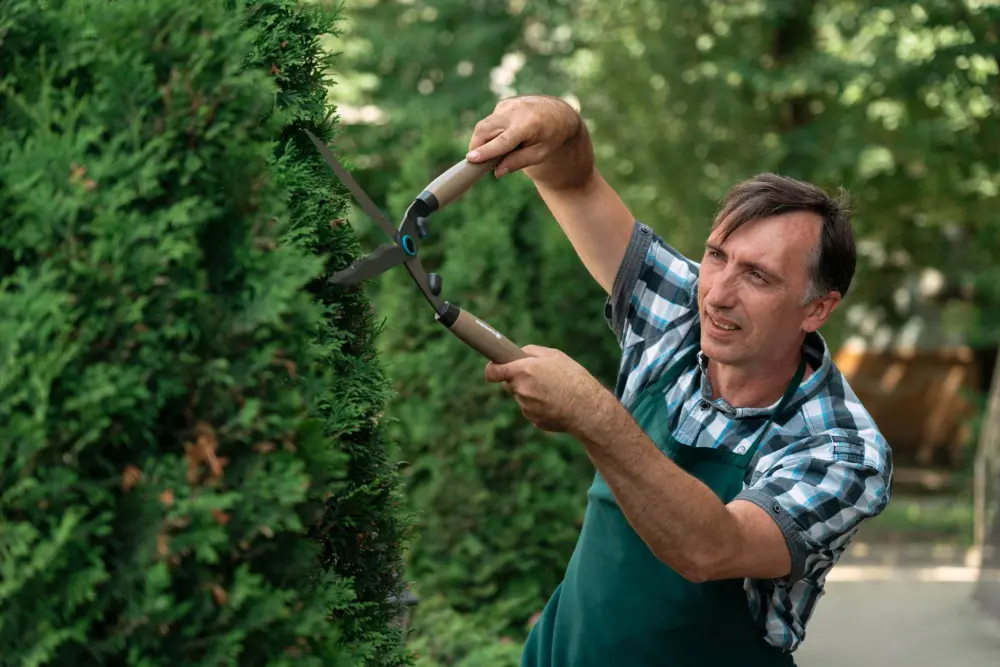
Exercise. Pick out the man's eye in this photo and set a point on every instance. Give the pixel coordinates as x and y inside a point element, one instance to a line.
<point>757,276</point>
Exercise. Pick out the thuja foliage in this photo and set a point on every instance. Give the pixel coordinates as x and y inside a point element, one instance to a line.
<point>363,529</point>
<point>191,464</point>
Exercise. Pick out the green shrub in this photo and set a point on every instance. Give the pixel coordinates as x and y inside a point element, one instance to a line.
<point>363,529</point>
<point>443,636</point>
<point>191,463</point>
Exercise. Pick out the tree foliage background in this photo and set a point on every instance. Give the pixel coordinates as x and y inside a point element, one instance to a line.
<point>499,502</point>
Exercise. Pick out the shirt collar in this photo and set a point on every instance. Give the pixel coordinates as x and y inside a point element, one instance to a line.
<point>817,354</point>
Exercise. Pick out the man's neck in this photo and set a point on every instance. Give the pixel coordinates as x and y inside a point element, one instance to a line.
<point>758,387</point>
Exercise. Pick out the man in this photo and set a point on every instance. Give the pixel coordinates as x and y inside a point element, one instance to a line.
<point>734,462</point>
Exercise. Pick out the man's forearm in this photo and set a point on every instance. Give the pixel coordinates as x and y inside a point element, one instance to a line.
<point>679,517</point>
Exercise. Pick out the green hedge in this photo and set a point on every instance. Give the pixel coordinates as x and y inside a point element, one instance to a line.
<point>192,467</point>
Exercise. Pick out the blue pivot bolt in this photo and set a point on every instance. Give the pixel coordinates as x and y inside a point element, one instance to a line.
<point>408,246</point>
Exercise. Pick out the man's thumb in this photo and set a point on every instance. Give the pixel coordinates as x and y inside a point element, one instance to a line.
<point>519,159</point>
<point>495,372</point>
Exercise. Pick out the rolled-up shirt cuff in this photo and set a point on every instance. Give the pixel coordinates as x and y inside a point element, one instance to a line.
<point>789,529</point>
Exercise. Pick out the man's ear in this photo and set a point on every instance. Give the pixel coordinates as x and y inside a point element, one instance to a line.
<point>818,311</point>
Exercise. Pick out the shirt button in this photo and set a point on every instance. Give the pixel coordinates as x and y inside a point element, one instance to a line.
<point>704,405</point>
<point>741,449</point>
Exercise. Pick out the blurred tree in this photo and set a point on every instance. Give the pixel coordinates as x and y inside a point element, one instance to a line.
<point>499,502</point>
<point>896,101</point>
<point>410,67</point>
<point>924,95</point>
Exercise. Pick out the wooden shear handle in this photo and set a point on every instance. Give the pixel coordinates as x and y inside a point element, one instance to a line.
<point>479,335</point>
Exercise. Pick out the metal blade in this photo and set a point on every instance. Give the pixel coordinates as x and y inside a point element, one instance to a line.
<point>367,205</point>
<point>381,259</point>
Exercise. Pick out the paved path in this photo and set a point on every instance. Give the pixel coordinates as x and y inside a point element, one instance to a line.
<point>907,615</point>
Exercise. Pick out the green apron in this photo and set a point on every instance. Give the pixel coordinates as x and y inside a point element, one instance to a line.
<point>620,606</point>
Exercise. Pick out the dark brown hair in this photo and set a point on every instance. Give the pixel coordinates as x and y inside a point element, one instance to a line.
<point>764,195</point>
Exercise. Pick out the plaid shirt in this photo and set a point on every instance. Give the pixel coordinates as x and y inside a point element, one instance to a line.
<point>822,470</point>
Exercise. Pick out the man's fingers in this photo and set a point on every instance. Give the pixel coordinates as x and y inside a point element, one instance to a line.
<point>520,159</point>
<point>506,372</point>
<point>503,143</point>
<point>484,134</point>
<point>496,372</point>
<point>489,128</point>
<point>501,372</point>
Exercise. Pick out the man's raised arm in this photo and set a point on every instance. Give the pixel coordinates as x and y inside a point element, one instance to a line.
<point>548,140</point>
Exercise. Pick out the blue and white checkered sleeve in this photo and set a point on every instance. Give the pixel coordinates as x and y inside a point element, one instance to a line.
<point>654,290</point>
<point>819,489</point>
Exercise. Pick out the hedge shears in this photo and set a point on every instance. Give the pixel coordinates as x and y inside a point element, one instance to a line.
<point>405,247</point>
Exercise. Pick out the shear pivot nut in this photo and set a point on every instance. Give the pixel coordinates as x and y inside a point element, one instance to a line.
<point>408,247</point>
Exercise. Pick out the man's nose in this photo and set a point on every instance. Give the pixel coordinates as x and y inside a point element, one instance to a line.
<point>722,293</point>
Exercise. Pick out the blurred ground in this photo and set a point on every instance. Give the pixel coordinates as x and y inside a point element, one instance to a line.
<point>902,604</point>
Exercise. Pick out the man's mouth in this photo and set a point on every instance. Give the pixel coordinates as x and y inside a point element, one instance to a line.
<point>723,325</point>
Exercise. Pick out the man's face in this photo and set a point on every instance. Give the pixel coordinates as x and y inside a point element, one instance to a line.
<point>752,288</point>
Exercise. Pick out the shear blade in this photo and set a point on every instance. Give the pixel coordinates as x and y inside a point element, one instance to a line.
<point>367,205</point>
<point>381,259</point>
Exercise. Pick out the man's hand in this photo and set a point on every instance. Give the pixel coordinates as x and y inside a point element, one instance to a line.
<point>548,140</point>
<point>555,392</point>
<point>535,133</point>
